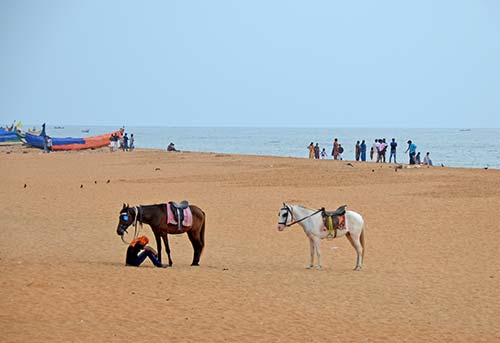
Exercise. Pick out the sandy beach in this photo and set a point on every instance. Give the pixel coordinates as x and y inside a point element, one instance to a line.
<point>431,270</point>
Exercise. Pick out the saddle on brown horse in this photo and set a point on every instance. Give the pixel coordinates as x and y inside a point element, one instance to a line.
<point>334,220</point>
<point>178,209</point>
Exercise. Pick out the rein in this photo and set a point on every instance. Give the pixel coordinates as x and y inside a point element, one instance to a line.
<point>302,219</point>
<point>138,218</point>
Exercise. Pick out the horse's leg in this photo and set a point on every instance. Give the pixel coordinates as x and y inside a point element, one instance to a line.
<point>311,251</point>
<point>356,244</point>
<point>197,244</point>
<point>158,243</point>
<point>167,248</point>
<point>317,246</point>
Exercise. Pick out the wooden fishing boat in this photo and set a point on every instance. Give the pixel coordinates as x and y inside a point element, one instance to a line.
<point>70,143</point>
<point>7,136</point>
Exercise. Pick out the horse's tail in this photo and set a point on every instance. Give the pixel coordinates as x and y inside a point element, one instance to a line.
<point>202,231</point>
<point>362,239</point>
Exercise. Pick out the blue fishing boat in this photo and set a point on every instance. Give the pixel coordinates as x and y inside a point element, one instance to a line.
<point>70,143</point>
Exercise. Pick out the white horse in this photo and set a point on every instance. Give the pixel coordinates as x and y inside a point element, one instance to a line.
<point>314,228</point>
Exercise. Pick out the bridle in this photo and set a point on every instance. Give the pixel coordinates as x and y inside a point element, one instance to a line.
<point>138,219</point>
<point>289,211</point>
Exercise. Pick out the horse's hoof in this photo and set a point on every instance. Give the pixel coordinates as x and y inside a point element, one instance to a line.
<point>357,268</point>
<point>319,268</point>
<point>195,264</point>
<point>309,267</point>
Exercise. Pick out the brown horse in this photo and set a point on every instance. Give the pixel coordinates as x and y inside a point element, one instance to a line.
<point>156,217</point>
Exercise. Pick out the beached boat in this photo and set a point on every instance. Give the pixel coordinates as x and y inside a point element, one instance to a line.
<point>70,143</point>
<point>7,136</point>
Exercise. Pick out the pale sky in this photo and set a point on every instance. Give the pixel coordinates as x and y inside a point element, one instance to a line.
<point>422,63</point>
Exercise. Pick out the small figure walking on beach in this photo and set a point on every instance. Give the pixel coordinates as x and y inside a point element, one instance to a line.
<point>121,141</point>
<point>363,150</point>
<point>125,143</point>
<point>316,151</point>
<point>427,160</point>
<point>335,150</point>
<point>311,150</point>
<point>382,148</point>
<point>323,154</point>
<point>132,142</point>
<point>45,144</point>
<point>393,150</point>
<point>373,150</point>
<point>112,142</point>
<point>412,149</point>
<point>49,144</point>
<point>377,149</point>
<point>341,151</point>
<point>358,151</point>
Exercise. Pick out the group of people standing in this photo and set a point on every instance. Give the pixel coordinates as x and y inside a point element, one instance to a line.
<point>378,151</point>
<point>122,142</point>
<point>315,153</point>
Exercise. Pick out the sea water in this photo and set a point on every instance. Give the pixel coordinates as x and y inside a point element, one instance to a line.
<point>470,148</point>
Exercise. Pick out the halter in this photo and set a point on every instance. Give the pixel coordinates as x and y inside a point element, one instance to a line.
<point>289,210</point>
<point>138,219</point>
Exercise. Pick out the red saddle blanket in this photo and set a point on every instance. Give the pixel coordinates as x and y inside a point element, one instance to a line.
<point>188,217</point>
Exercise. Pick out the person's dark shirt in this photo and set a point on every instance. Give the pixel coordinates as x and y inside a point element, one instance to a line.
<point>132,252</point>
<point>393,146</point>
<point>363,147</point>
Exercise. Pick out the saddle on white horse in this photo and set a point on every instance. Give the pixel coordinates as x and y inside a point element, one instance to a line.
<point>334,220</point>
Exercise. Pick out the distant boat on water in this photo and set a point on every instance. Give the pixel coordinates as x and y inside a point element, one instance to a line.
<point>465,130</point>
<point>58,127</point>
<point>34,131</point>
<point>86,131</point>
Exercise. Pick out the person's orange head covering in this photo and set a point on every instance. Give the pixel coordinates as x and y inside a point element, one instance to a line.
<point>143,240</point>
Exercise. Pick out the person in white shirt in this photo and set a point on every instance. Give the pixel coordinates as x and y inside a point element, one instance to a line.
<point>376,146</point>
<point>427,160</point>
<point>323,154</point>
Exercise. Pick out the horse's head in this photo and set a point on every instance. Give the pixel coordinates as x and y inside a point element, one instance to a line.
<point>127,217</point>
<point>285,216</point>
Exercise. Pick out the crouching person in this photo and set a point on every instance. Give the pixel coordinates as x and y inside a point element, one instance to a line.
<point>135,257</point>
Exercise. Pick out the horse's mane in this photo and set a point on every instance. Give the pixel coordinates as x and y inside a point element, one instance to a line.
<point>306,208</point>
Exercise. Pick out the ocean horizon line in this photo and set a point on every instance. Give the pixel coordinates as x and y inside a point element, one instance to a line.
<point>262,127</point>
